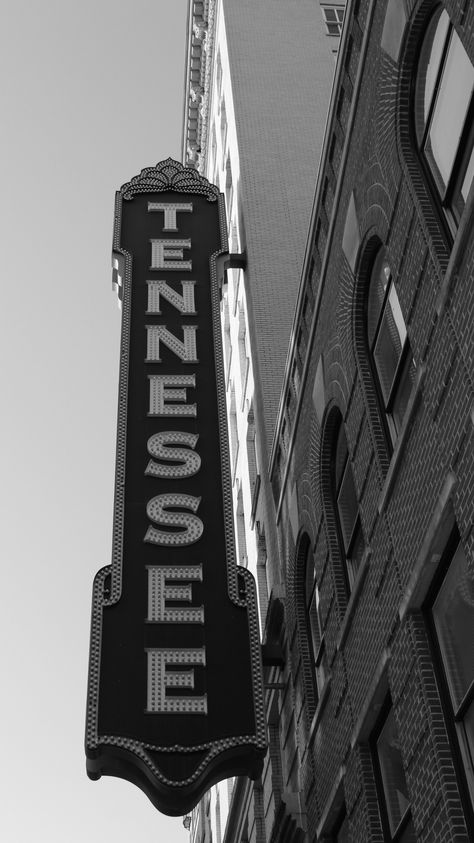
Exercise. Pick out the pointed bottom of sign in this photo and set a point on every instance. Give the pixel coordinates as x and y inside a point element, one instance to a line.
<point>173,798</point>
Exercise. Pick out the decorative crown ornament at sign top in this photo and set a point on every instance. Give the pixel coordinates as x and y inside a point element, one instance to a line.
<point>175,698</point>
<point>170,175</point>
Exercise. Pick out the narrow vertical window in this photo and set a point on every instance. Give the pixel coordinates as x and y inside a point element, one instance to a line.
<point>392,361</point>
<point>347,508</point>
<point>317,645</point>
<point>391,781</point>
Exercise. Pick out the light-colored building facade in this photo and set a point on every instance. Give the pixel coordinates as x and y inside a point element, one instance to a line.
<point>258,81</point>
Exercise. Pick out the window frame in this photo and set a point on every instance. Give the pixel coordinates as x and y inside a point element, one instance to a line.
<point>348,540</point>
<point>449,196</point>
<point>405,368</point>
<point>318,657</point>
<point>333,26</point>
<point>463,755</point>
<point>393,835</point>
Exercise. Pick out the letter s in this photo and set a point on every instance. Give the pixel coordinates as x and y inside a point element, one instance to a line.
<point>189,463</point>
<point>157,511</point>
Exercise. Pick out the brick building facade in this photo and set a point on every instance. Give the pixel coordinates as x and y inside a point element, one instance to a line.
<point>373,458</point>
<point>368,622</point>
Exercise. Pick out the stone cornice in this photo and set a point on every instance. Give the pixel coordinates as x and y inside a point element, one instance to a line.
<point>198,72</point>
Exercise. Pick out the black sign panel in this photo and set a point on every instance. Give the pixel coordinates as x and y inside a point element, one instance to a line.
<point>175,692</point>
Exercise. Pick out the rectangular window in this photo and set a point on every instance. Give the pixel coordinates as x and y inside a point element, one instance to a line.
<point>347,506</point>
<point>347,509</point>
<point>445,108</point>
<point>333,18</point>
<point>452,103</point>
<point>393,364</point>
<point>317,646</point>
<point>317,640</point>
<point>391,781</point>
<point>452,615</point>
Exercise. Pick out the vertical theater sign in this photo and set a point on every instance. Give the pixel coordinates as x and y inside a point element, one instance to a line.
<point>175,690</point>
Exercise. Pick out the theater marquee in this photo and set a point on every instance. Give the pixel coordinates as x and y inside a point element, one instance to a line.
<point>175,690</point>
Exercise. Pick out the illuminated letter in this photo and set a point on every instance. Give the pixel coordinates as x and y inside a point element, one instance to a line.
<point>170,209</point>
<point>160,593</point>
<point>164,388</point>
<point>168,254</point>
<point>184,303</point>
<point>186,462</point>
<point>186,350</point>
<point>159,679</point>
<point>157,511</point>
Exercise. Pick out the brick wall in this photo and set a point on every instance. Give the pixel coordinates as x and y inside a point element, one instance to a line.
<point>375,648</point>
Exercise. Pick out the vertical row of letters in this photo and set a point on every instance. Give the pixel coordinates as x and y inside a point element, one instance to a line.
<point>172,455</point>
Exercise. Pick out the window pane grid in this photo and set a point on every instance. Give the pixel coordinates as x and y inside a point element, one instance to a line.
<point>333,18</point>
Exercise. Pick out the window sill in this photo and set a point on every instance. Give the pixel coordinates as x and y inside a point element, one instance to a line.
<point>353,600</point>
<point>323,698</point>
<point>401,441</point>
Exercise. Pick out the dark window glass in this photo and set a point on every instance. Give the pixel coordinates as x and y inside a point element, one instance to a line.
<point>392,772</point>
<point>341,831</point>
<point>392,785</point>
<point>333,18</point>
<point>319,661</point>
<point>392,360</point>
<point>444,110</point>
<point>347,507</point>
<point>453,618</point>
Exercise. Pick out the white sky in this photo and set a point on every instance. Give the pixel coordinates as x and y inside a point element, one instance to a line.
<point>92,92</point>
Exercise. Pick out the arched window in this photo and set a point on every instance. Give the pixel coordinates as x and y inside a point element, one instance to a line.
<point>313,619</point>
<point>389,347</point>
<point>444,112</point>
<point>347,508</point>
